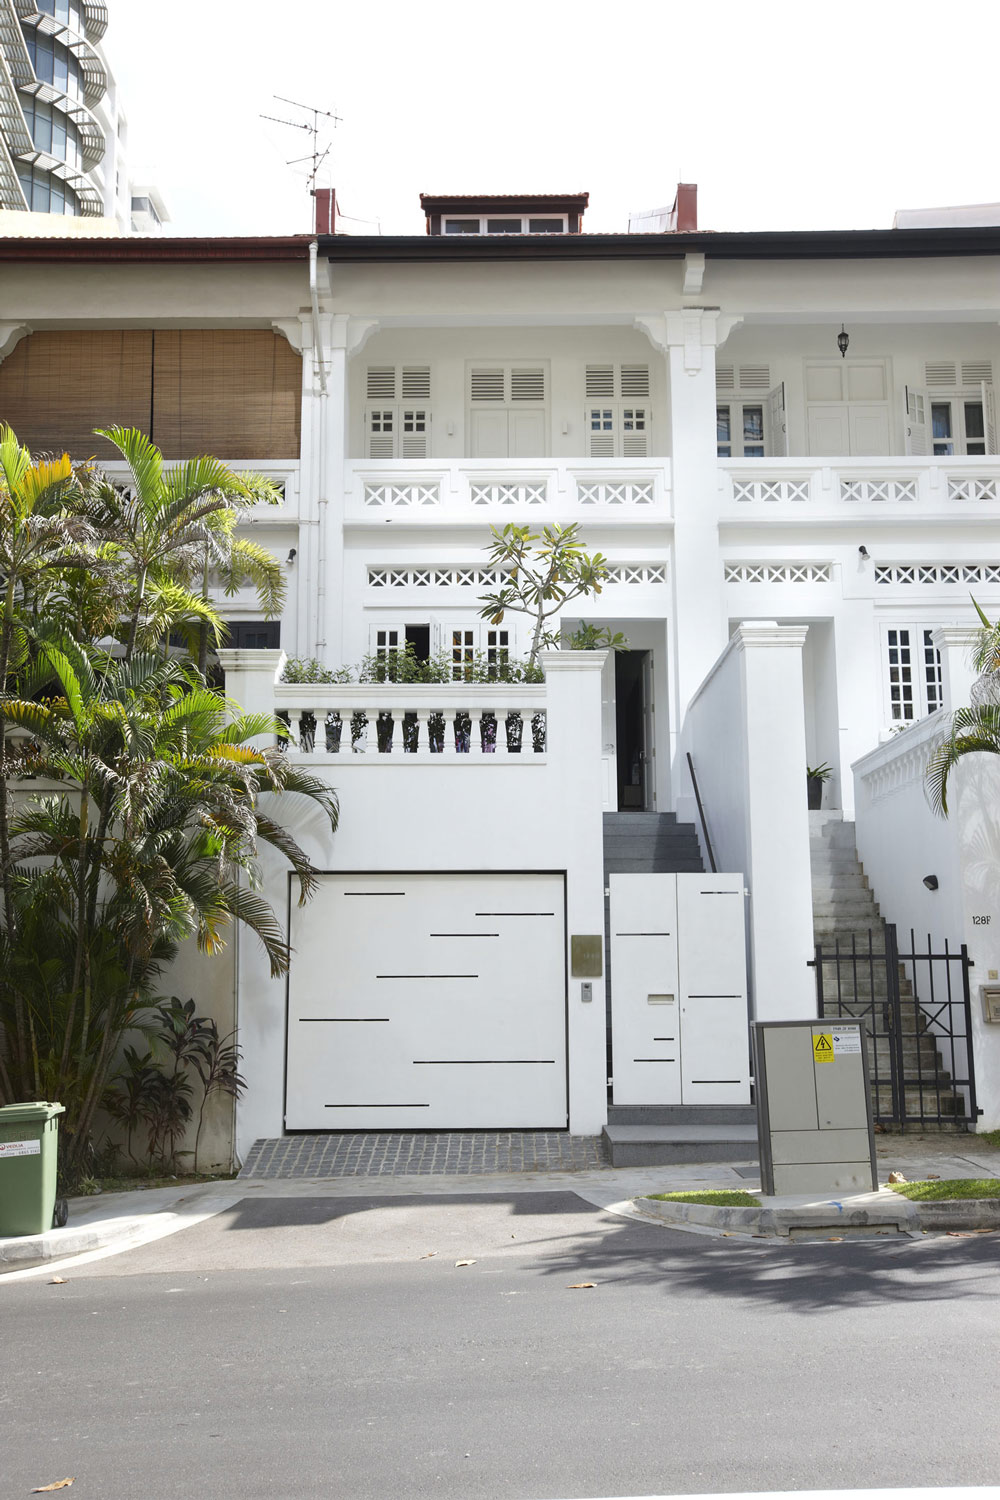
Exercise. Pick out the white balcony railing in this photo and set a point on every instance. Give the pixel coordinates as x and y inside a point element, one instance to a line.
<point>786,488</point>
<point>403,723</point>
<point>492,490</point>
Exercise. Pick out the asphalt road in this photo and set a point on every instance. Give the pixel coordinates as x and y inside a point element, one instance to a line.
<point>332,1348</point>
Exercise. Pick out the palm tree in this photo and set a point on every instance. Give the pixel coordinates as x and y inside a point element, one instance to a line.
<point>973,730</point>
<point>173,525</point>
<point>151,839</point>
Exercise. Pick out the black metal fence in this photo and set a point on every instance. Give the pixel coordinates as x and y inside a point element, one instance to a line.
<point>918,1014</point>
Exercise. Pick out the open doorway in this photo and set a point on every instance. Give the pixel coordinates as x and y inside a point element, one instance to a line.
<point>634,730</point>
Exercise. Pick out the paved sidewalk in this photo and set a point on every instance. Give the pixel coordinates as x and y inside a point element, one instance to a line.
<point>106,1224</point>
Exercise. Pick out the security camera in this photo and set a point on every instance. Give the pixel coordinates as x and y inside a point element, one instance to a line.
<point>862,551</point>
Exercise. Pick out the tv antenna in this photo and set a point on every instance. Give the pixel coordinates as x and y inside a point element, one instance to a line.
<point>316,156</point>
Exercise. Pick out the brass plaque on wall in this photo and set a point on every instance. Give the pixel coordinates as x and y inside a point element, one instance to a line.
<point>586,956</point>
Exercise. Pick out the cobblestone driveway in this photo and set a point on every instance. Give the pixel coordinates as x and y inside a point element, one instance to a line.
<point>396,1154</point>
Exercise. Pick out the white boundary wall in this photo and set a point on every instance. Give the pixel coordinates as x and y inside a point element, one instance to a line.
<point>454,813</point>
<point>900,840</point>
<point>745,730</point>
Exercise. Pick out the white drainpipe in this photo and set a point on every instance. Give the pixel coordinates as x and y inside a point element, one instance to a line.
<point>319,451</point>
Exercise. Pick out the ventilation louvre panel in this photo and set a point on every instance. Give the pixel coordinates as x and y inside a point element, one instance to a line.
<point>415,384</point>
<point>975,371</point>
<point>527,385</point>
<point>755,377</point>
<point>381,383</point>
<point>725,378</point>
<point>601,381</point>
<point>487,385</point>
<point>939,372</point>
<point>634,445</point>
<point>634,380</point>
<point>380,447</point>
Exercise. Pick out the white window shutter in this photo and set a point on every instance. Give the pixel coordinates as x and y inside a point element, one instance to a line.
<point>600,426</point>
<point>939,372</point>
<point>600,382</point>
<point>381,432</point>
<point>527,385</point>
<point>635,432</point>
<point>415,383</point>
<point>725,378</point>
<point>414,424</point>
<point>916,428</point>
<point>777,421</point>
<point>633,381</point>
<point>989,416</point>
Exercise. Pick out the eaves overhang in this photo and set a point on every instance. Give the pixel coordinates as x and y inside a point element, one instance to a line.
<point>157,248</point>
<point>853,244</point>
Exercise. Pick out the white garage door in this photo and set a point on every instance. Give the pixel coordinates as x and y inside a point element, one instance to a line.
<point>428,1002</point>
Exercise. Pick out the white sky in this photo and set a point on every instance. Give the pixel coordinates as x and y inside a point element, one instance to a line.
<point>789,114</point>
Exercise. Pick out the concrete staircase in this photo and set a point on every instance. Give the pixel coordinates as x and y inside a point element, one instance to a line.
<point>647,1135</point>
<point>846,916</point>
<point>654,1135</point>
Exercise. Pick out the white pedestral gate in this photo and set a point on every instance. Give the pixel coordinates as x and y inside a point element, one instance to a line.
<point>679,1023</point>
<point>430,1002</point>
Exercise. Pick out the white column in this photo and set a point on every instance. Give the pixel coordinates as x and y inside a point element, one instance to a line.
<point>250,679</point>
<point>955,643</point>
<point>699,627</point>
<point>777,823</point>
<point>573,704</point>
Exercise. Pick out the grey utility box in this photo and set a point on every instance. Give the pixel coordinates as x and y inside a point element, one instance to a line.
<point>814,1108</point>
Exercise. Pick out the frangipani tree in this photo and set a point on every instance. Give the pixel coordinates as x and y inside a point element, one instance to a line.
<point>974,730</point>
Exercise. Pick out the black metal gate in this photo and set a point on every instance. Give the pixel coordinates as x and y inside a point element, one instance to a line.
<point>918,1014</point>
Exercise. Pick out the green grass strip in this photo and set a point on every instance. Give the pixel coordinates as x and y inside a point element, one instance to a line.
<point>716,1199</point>
<point>947,1188</point>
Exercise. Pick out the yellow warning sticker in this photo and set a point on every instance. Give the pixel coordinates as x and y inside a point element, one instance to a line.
<point>823,1046</point>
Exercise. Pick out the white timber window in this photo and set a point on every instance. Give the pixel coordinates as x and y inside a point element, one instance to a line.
<point>617,416</point>
<point>749,414</point>
<point>508,416</point>
<point>911,667</point>
<point>955,414</point>
<point>397,411</point>
<point>506,224</point>
<point>465,645</point>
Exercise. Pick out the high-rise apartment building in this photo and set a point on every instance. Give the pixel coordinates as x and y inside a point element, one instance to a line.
<point>63,134</point>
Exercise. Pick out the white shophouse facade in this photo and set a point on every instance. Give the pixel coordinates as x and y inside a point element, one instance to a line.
<point>787,528</point>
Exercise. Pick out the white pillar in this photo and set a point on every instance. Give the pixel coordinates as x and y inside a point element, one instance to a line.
<point>777,822</point>
<point>955,643</point>
<point>250,679</point>
<point>573,750</point>
<point>699,626</point>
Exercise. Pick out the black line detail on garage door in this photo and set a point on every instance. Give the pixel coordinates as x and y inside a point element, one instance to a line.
<point>655,1059</point>
<point>642,934</point>
<point>373,893</point>
<point>514,913</point>
<point>426,976</point>
<point>342,1020</point>
<point>715,997</point>
<point>479,1062</point>
<point>463,934</point>
<point>376,1106</point>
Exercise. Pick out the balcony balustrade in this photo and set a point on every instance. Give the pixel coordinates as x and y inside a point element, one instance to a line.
<point>487,489</point>
<point>839,488</point>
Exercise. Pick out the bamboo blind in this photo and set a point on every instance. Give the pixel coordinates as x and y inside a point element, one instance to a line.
<point>55,388</point>
<point>233,393</point>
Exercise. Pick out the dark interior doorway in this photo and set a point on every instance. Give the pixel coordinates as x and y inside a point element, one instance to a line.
<point>419,638</point>
<point>632,730</point>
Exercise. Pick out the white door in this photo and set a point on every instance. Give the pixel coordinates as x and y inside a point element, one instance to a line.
<point>679,1024</point>
<point>712,985</point>
<point>488,431</point>
<point>829,431</point>
<point>428,1002</point>
<point>645,1014</point>
<point>526,434</point>
<point>869,431</point>
<point>989,417</point>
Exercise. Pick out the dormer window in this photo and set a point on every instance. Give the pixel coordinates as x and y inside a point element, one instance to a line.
<point>505,213</point>
<point>509,224</point>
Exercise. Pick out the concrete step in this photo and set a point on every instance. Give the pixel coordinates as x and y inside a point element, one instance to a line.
<point>641,820</point>
<point>654,866</point>
<point>682,1114</point>
<point>666,1145</point>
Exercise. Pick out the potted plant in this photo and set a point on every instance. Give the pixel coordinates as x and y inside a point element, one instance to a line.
<point>815,777</point>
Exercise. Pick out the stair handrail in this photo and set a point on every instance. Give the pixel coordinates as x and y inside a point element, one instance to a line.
<point>701,814</point>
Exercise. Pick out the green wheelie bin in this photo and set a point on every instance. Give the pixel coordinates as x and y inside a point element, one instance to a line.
<point>29,1144</point>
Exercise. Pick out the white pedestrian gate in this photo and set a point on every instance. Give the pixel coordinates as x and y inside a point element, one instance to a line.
<point>429,1002</point>
<point>679,1021</point>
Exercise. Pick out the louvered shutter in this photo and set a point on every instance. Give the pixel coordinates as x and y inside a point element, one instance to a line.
<point>381,432</point>
<point>915,428</point>
<point>413,437</point>
<point>939,372</point>
<point>977,371</point>
<point>777,421</point>
<point>633,381</point>
<point>725,378</point>
<point>989,416</point>
<point>755,377</point>
<point>415,383</point>
<point>635,431</point>
<point>601,424</point>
